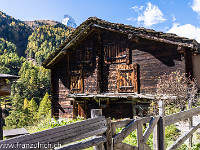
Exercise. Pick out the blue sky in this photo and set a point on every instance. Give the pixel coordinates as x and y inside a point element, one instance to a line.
<point>178,16</point>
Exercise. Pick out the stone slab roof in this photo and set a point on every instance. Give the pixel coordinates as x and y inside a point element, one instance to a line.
<point>141,32</point>
<point>8,76</point>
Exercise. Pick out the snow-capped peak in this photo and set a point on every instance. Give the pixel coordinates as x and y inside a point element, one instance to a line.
<point>69,21</point>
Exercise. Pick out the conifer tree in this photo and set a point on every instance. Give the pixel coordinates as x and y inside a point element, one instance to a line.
<point>26,104</point>
<point>33,106</point>
<point>33,110</point>
<point>45,107</point>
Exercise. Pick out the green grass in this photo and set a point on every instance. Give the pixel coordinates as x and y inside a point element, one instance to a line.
<point>49,124</point>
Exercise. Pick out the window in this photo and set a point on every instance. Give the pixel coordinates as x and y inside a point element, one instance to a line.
<point>116,52</point>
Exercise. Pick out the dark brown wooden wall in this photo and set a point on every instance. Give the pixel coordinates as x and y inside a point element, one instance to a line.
<point>154,61</point>
<point>62,107</point>
<point>115,51</point>
<point>98,56</point>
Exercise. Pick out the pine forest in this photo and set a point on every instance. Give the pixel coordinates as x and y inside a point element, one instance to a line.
<point>22,50</point>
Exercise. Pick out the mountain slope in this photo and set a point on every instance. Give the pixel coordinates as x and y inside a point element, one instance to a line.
<point>36,23</point>
<point>14,31</point>
<point>45,39</point>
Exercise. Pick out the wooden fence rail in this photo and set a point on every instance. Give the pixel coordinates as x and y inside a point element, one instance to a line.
<point>101,133</point>
<point>61,136</point>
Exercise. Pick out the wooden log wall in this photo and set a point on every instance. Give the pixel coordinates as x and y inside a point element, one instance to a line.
<point>85,61</point>
<point>96,59</point>
<point>62,107</point>
<point>154,61</point>
<point>115,52</point>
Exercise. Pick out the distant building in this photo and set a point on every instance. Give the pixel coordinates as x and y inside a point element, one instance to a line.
<point>115,67</point>
<point>5,88</point>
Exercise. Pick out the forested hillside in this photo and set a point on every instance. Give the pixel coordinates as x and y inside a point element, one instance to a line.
<point>14,31</point>
<point>22,49</point>
<point>44,40</point>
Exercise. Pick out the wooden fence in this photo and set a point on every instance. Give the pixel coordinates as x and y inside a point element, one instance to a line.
<point>48,139</point>
<point>156,125</point>
<point>103,133</point>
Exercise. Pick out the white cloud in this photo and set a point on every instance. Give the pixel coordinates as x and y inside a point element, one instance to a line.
<point>186,30</point>
<point>137,9</point>
<point>152,15</point>
<point>196,6</point>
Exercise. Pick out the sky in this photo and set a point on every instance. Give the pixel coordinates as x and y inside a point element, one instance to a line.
<point>181,17</point>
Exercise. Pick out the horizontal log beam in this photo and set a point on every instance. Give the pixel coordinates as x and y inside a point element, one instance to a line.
<point>183,138</point>
<point>122,123</point>
<point>171,119</point>
<point>85,144</point>
<point>64,134</point>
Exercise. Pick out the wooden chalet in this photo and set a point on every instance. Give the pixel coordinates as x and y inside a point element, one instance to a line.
<point>115,67</point>
<point>5,88</point>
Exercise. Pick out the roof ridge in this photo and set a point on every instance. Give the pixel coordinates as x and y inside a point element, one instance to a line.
<point>128,29</point>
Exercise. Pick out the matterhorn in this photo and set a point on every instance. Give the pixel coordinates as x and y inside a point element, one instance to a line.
<point>69,21</point>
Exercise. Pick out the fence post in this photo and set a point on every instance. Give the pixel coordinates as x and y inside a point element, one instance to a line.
<point>190,123</point>
<point>1,123</point>
<point>97,113</point>
<point>140,144</point>
<point>159,130</point>
<point>109,141</point>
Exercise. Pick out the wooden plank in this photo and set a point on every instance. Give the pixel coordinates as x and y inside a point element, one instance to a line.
<point>126,131</point>
<point>150,128</point>
<point>82,82</point>
<point>99,62</point>
<point>146,119</point>
<point>125,70</point>
<point>183,138</point>
<point>123,87</point>
<point>171,119</point>
<point>15,132</point>
<point>127,80</point>
<point>96,113</point>
<point>122,123</point>
<point>85,144</point>
<point>155,137</point>
<point>65,133</point>
<point>159,129</point>
<point>109,141</point>
<point>1,124</point>
<point>113,128</point>
<point>124,146</point>
<point>190,121</point>
<point>140,144</point>
<point>75,135</point>
<point>161,126</point>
